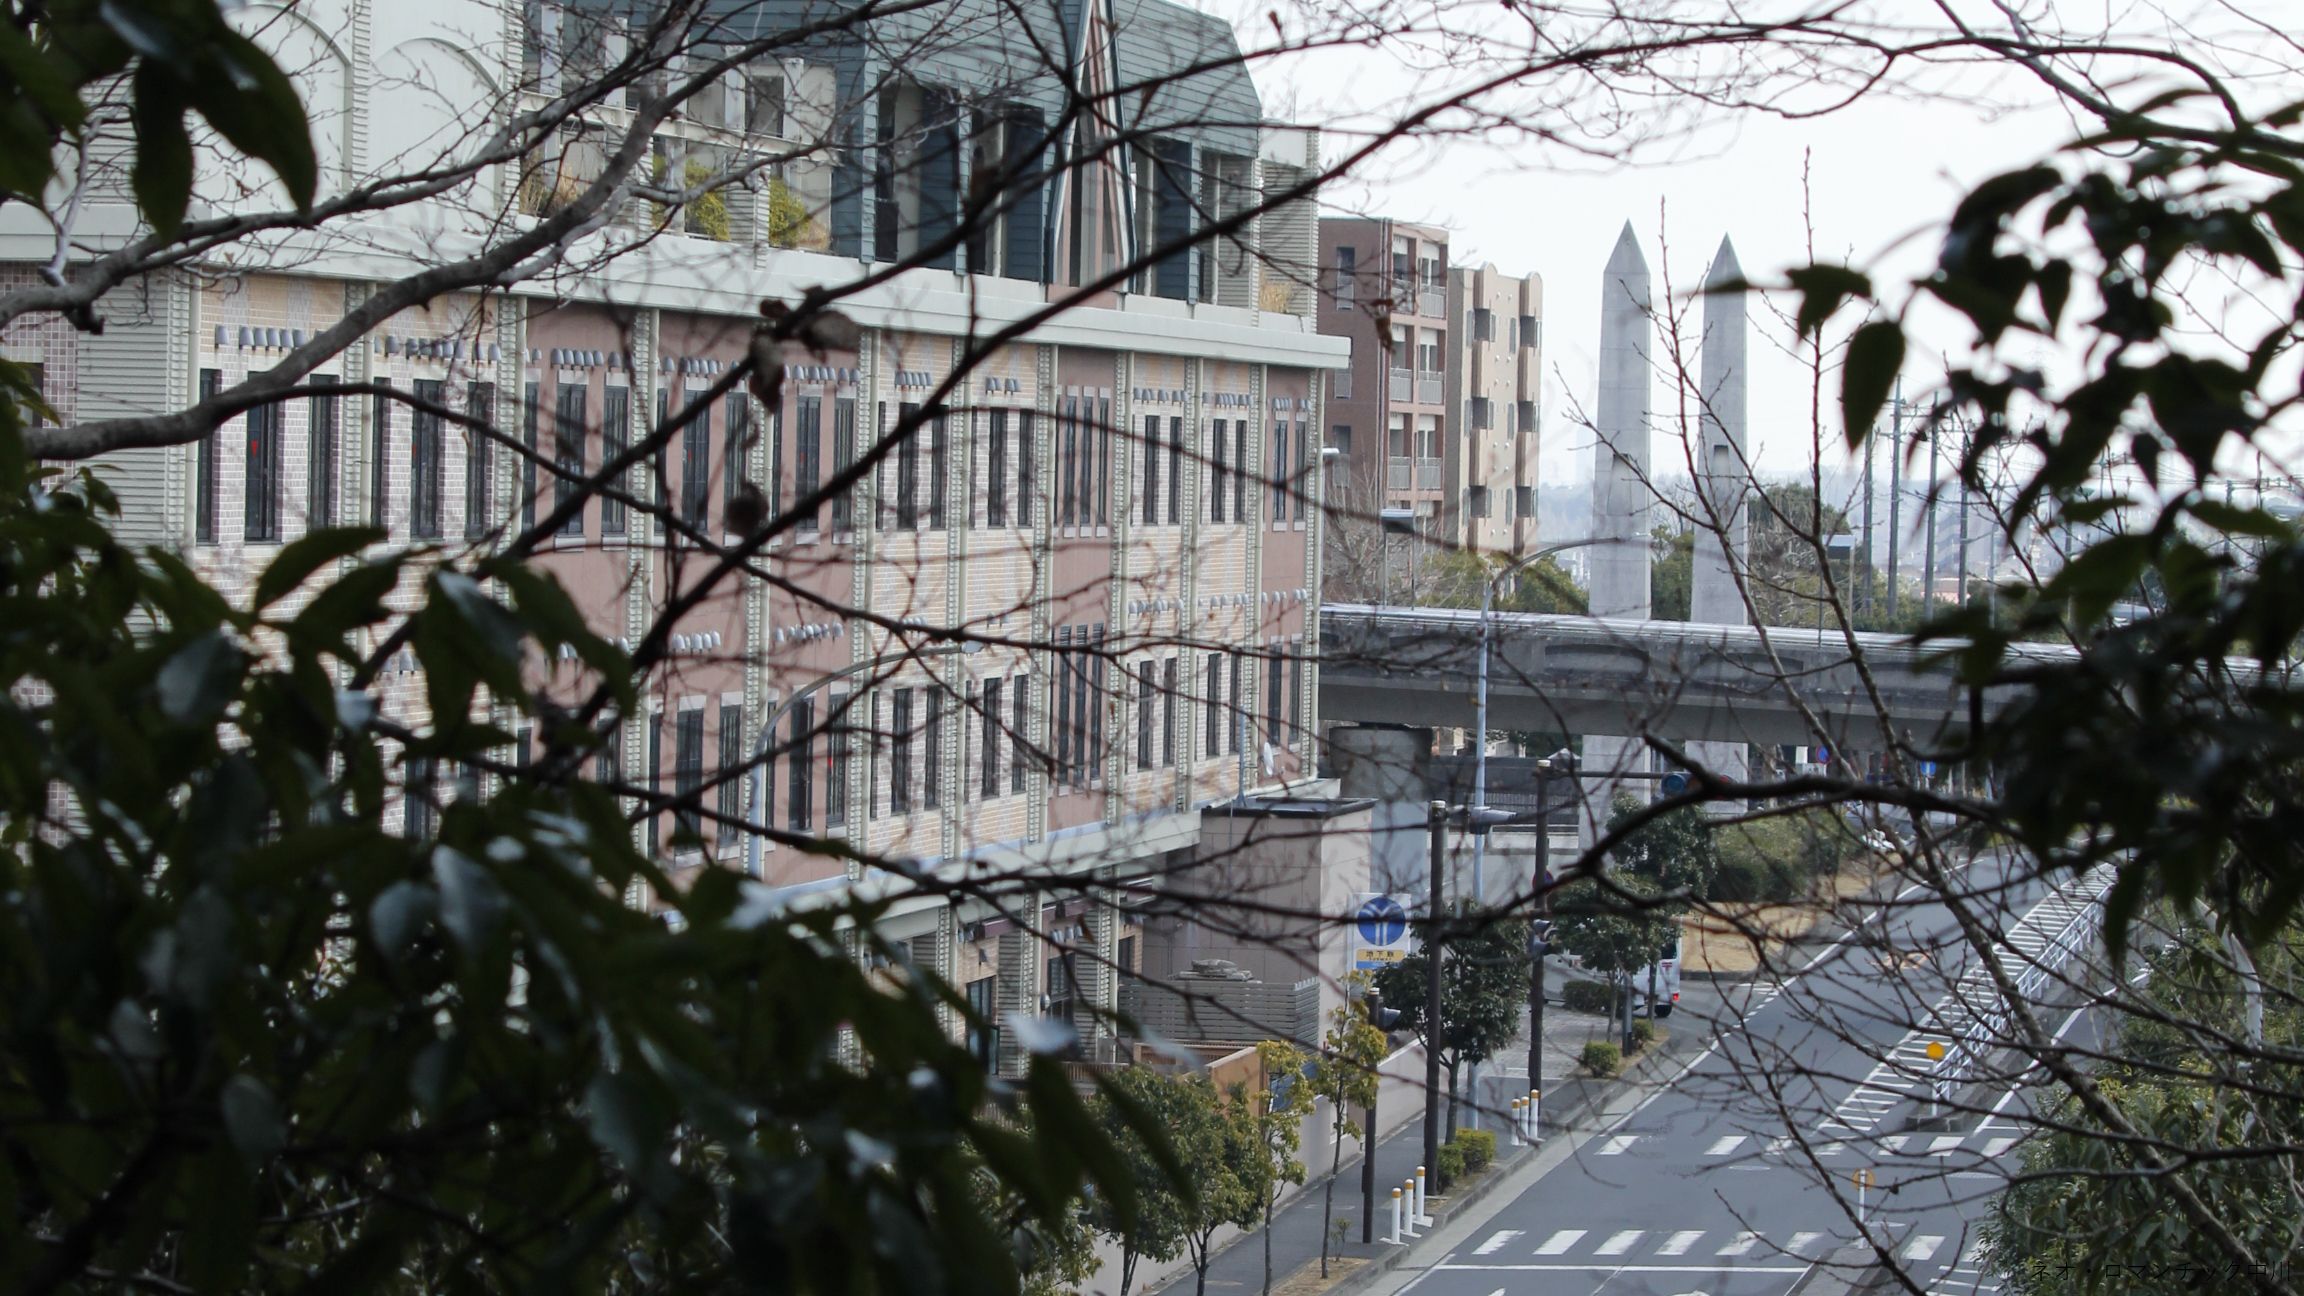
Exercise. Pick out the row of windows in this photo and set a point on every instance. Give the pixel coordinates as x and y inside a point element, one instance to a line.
<point>913,495</point>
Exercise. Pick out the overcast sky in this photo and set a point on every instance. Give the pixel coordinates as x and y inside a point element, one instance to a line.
<point>1880,177</point>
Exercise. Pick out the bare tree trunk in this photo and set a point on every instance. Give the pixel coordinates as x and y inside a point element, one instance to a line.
<point>1269,1195</point>
<point>1328,1206</point>
<point>1450,1131</point>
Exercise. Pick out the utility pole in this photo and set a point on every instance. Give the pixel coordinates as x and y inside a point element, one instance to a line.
<point>1866,593</point>
<point>1895,492</point>
<point>1928,564</point>
<point>1967,443</point>
<point>1432,1024</point>
<point>1543,938</point>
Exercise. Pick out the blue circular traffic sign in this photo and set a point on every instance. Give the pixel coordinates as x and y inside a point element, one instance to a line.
<point>1382,921</point>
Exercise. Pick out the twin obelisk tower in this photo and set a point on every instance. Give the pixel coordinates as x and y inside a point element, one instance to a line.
<point>1624,492</point>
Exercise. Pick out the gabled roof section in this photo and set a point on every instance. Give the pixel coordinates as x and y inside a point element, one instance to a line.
<point>1190,62</point>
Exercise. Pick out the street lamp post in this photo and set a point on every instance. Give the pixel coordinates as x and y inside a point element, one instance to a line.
<point>767,736</point>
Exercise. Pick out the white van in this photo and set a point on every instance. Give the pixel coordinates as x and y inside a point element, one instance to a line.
<point>1666,969</point>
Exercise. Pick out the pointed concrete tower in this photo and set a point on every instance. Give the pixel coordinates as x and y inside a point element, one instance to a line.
<point>1725,479</point>
<point>1621,494</point>
<point>1721,471</point>
<point>1622,500</point>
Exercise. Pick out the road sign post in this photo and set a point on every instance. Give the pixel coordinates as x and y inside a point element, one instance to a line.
<point>1865,1181</point>
<point>1935,1054</point>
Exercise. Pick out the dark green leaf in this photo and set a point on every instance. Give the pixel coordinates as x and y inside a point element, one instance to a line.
<point>1822,289</point>
<point>162,175</point>
<point>471,904</point>
<point>196,683</point>
<point>1875,354</point>
<point>252,1118</point>
<point>255,106</point>
<point>306,554</point>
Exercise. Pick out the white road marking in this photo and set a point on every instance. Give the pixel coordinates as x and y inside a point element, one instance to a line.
<point>1616,1145</point>
<point>1994,1147</point>
<point>1725,1145</point>
<point>1678,1243</point>
<point>1496,1242</point>
<point>1744,1242</point>
<point>1558,1243</point>
<point>1943,1146</point>
<point>1620,1269</point>
<point>1923,1246</point>
<point>1831,1149</point>
<point>1800,1240</point>
<point>1620,1243</point>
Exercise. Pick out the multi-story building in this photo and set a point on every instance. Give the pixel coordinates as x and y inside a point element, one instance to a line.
<point>1495,387</point>
<point>1436,411</point>
<point>1073,604</point>
<point>1387,290</point>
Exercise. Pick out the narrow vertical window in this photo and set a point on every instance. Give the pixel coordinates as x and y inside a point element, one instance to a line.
<point>260,511</point>
<point>991,741</point>
<point>907,467</point>
<point>661,497</point>
<point>1216,471</point>
<point>1296,692</point>
<point>939,451</point>
<point>1067,457</point>
<point>688,779</point>
<point>479,452</point>
<point>695,464</point>
<point>802,801</point>
<point>1279,472</point>
<point>321,457</point>
<point>615,439</point>
<point>836,761</point>
<point>1025,450</point>
<point>900,755</point>
<point>1151,470</point>
<point>1274,679</point>
<point>807,467</point>
<point>1240,699</point>
<point>204,494</point>
<point>569,432</point>
<point>1020,734</point>
<point>1170,687</point>
<point>843,455</point>
<point>1093,760</point>
<point>996,470</point>
<point>655,783</point>
<point>426,449</point>
<point>1100,467</point>
<point>1145,700</point>
<point>1060,704</point>
<point>531,413</point>
<point>932,748</point>
<point>380,457</point>
<point>731,788</point>
<point>1176,471</point>
<point>736,431</point>
<point>1211,743</point>
<point>1240,470</point>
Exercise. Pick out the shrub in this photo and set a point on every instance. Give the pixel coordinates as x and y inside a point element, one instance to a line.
<point>1595,997</point>
<point>1602,1058</point>
<point>1643,1032</point>
<point>1451,1163</point>
<point>1479,1148</point>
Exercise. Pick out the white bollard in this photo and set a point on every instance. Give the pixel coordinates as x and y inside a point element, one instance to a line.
<point>1408,1187</point>
<point>1395,1217</point>
<point>1535,1116</point>
<point>1519,1120</point>
<point>1423,1215</point>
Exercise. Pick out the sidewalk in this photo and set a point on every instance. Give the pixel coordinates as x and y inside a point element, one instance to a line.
<point>1239,1267</point>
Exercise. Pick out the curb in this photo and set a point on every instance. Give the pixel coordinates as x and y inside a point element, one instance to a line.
<point>1589,1094</point>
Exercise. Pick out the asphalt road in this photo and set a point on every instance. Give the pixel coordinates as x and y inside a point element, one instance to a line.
<point>1738,1177</point>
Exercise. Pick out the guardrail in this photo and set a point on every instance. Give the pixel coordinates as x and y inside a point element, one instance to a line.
<point>1975,1015</point>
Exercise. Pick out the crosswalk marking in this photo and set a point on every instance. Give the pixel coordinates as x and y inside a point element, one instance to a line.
<point>1679,1243</point>
<point>1895,1142</point>
<point>1616,1145</point>
<point>1800,1242</point>
<point>1725,1145</point>
<point>1558,1243</point>
<point>1744,1242</point>
<point>1946,1143</point>
<point>1831,1149</point>
<point>1620,1243</point>
<point>1923,1246</point>
<point>1496,1242</point>
<point>1994,1147</point>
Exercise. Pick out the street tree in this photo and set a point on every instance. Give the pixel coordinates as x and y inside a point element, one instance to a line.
<point>1483,989</point>
<point>1183,1109</point>
<point>1276,1116</point>
<point>1614,926</point>
<point>1347,1075</point>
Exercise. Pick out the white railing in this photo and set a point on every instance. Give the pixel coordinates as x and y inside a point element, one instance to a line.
<point>1975,1016</point>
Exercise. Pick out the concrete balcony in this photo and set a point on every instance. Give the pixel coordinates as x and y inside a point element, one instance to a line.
<point>1429,389</point>
<point>1402,384</point>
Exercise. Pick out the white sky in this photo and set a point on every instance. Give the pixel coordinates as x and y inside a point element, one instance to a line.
<point>1882,176</point>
